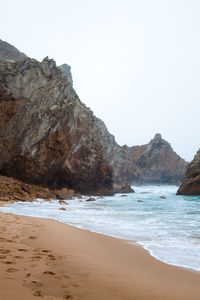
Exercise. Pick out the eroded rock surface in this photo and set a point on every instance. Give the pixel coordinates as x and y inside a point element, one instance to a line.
<point>9,52</point>
<point>47,136</point>
<point>158,162</point>
<point>124,168</point>
<point>191,183</point>
<point>66,69</point>
<point>14,190</point>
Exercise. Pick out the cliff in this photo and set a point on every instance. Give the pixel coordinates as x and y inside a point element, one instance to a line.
<point>158,162</point>
<point>191,183</point>
<point>124,168</point>
<point>66,69</point>
<point>9,52</point>
<point>47,136</point>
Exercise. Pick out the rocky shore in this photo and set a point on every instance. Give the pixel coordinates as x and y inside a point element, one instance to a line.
<point>12,190</point>
<point>45,259</point>
<point>49,138</point>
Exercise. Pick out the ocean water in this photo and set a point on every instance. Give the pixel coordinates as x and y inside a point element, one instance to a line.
<point>168,228</point>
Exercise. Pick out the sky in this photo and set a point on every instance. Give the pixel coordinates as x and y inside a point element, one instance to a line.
<point>135,63</point>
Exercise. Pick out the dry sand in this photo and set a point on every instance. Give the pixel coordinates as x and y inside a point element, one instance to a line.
<point>42,258</point>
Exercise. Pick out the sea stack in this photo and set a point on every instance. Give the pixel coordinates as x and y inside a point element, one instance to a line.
<point>191,183</point>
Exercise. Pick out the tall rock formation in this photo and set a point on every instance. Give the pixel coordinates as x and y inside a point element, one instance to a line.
<point>47,136</point>
<point>66,69</point>
<point>191,183</point>
<point>158,162</point>
<point>124,168</point>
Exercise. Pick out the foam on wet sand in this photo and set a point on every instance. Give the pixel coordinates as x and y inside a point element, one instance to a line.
<point>48,259</point>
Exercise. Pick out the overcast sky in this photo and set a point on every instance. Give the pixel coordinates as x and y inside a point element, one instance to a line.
<point>135,63</point>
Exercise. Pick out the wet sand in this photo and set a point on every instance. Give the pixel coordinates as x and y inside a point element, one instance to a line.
<point>45,259</point>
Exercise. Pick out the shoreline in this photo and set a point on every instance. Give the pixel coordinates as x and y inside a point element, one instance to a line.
<point>129,241</point>
<point>49,259</point>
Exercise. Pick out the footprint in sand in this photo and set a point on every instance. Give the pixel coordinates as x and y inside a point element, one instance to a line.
<point>2,256</point>
<point>38,294</point>
<point>67,297</point>
<point>32,237</point>
<point>21,249</point>
<point>36,257</point>
<point>11,270</point>
<point>46,251</point>
<point>51,257</point>
<point>4,251</point>
<point>33,285</point>
<point>8,262</point>
<point>65,276</point>
<point>49,273</point>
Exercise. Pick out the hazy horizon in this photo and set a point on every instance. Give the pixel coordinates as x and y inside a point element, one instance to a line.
<point>134,63</point>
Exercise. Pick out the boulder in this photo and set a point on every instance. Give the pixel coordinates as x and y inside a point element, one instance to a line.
<point>91,199</point>
<point>123,188</point>
<point>64,194</point>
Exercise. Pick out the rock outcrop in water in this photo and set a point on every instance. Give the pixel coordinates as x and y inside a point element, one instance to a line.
<point>158,163</point>
<point>191,183</point>
<point>47,136</point>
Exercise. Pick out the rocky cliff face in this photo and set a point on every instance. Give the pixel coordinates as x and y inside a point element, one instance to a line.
<point>47,136</point>
<point>124,168</point>
<point>9,52</point>
<point>66,69</point>
<point>191,183</point>
<point>158,162</point>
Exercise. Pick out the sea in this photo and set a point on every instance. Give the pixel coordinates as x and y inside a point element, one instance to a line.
<point>166,225</point>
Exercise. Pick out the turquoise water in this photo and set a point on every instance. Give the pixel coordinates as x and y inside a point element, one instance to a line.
<point>168,228</point>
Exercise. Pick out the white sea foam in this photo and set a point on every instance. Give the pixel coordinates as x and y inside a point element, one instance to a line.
<point>168,228</point>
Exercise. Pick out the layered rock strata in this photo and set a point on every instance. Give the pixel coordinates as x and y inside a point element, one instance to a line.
<point>124,168</point>
<point>47,136</point>
<point>191,183</point>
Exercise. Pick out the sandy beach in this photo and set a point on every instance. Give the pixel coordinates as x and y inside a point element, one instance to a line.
<point>50,260</point>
